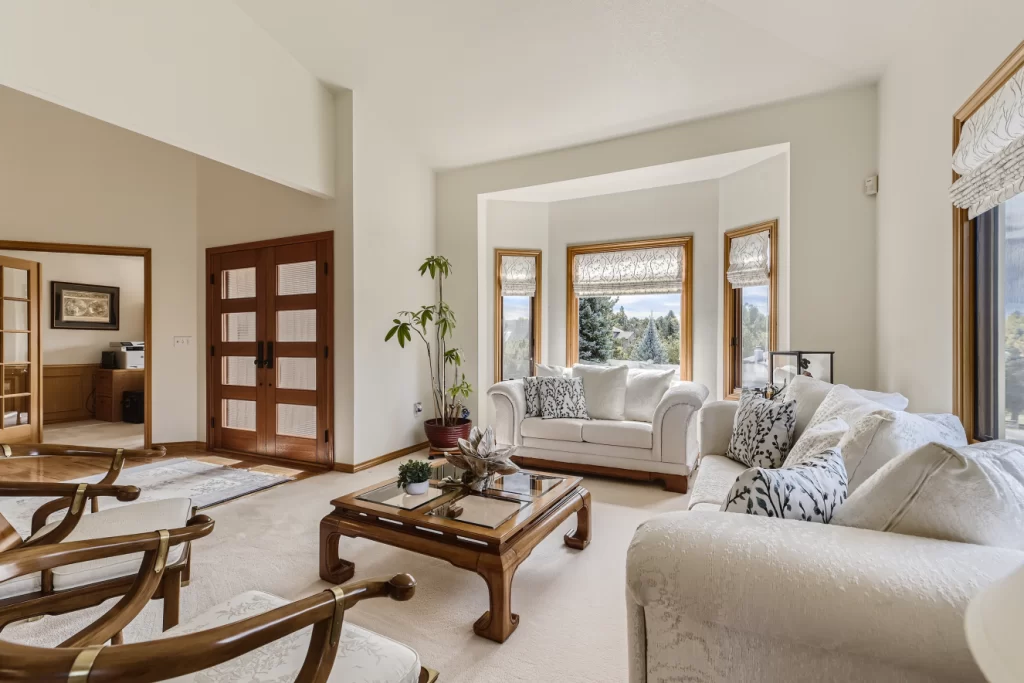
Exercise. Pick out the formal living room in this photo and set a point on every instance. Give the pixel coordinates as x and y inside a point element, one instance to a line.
<point>492,341</point>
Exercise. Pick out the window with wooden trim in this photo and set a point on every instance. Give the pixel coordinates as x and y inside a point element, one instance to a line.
<point>517,313</point>
<point>631,303</point>
<point>750,306</point>
<point>988,256</point>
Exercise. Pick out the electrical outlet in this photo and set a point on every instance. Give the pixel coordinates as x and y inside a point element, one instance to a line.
<point>417,408</point>
<point>183,341</point>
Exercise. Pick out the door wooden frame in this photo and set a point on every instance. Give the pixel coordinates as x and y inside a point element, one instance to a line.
<point>537,313</point>
<point>325,378</point>
<point>964,399</point>
<point>102,250</point>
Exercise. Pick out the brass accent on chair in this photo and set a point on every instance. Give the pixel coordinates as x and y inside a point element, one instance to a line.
<point>161,553</point>
<point>339,614</point>
<point>115,466</point>
<point>76,504</point>
<point>82,666</point>
<point>7,450</point>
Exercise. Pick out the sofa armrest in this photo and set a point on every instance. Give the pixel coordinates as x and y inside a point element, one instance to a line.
<point>509,401</point>
<point>715,431</point>
<point>876,595</point>
<point>674,420</point>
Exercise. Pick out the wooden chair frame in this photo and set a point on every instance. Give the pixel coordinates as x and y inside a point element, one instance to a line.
<point>72,497</point>
<point>85,657</point>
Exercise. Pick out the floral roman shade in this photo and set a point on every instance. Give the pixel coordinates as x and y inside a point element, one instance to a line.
<point>990,156</point>
<point>518,275</point>
<point>632,271</point>
<point>749,260</point>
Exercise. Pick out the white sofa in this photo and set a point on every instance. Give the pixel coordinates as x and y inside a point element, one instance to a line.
<point>715,596</point>
<point>664,449</point>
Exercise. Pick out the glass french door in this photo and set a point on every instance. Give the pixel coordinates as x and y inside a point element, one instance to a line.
<point>20,358</point>
<point>269,379</point>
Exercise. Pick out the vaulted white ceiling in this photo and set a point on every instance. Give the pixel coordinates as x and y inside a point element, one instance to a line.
<point>468,81</point>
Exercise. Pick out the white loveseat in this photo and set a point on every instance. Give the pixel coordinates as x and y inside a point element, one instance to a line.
<point>664,449</point>
<point>718,596</point>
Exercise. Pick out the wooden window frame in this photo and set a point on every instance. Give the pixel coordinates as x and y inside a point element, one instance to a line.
<point>964,329</point>
<point>499,308</point>
<point>685,242</point>
<point>732,312</point>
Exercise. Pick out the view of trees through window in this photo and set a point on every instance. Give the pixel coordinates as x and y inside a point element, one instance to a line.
<point>1013,293</point>
<point>754,336</point>
<point>630,329</point>
<point>516,343</point>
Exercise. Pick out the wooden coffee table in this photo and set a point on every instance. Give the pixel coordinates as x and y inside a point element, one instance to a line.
<point>490,533</point>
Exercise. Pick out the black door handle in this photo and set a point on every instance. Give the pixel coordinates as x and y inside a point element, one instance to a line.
<point>259,355</point>
<point>269,362</point>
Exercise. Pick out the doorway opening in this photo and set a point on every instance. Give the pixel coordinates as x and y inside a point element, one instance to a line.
<point>85,355</point>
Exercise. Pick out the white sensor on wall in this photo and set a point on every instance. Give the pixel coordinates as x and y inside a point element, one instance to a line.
<point>871,185</point>
<point>417,408</point>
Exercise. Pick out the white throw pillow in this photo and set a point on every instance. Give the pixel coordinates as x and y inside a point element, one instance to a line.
<point>809,393</point>
<point>877,438</point>
<point>842,401</point>
<point>605,389</point>
<point>644,391</point>
<point>762,432</point>
<point>971,494</point>
<point>552,371</point>
<point>821,438</point>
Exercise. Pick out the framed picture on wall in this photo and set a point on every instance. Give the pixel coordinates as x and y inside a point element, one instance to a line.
<point>76,306</point>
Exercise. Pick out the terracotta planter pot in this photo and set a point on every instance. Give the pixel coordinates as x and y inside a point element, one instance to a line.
<point>445,437</point>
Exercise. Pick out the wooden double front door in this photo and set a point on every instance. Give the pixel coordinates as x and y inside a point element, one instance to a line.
<point>270,324</point>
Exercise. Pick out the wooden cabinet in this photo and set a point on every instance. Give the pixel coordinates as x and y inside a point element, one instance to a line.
<point>110,385</point>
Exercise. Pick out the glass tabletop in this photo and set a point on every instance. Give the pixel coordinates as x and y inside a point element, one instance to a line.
<point>481,510</point>
<point>395,496</point>
<point>525,483</point>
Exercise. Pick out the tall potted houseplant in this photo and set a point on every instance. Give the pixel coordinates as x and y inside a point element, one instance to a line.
<point>434,324</point>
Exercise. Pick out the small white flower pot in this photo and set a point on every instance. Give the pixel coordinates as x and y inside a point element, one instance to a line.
<point>417,489</point>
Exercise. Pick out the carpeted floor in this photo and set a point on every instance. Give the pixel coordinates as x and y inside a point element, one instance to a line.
<point>571,604</point>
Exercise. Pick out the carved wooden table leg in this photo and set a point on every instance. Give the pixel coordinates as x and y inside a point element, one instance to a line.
<point>498,622</point>
<point>333,568</point>
<point>579,538</point>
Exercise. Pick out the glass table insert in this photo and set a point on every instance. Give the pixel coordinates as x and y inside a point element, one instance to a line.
<point>395,496</point>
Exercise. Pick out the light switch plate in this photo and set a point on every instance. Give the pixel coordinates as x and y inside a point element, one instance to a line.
<point>183,341</point>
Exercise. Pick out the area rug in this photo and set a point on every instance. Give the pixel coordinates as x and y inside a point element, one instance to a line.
<point>205,483</point>
<point>571,603</point>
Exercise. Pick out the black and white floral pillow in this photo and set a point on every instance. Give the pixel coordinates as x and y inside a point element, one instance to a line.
<point>531,385</point>
<point>763,432</point>
<point>562,397</point>
<point>810,491</point>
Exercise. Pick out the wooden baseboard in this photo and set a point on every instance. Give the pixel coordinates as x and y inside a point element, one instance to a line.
<point>182,447</point>
<point>676,483</point>
<point>349,468</point>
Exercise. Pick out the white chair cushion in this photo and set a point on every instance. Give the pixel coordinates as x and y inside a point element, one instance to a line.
<point>619,433</point>
<point>842,401</point>
<point>559,429</point>
<point>135,518</point>
<point>363,656</point>
<point>809,393</point>
<point>29,583</point>
<point>644,391</point>
<point>715,476</point>
<point>605,390</point>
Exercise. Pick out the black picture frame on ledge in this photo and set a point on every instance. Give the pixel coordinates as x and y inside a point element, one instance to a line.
<point>76,306</point>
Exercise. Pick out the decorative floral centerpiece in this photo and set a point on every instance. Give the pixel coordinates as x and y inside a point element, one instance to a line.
<point>482,458</point>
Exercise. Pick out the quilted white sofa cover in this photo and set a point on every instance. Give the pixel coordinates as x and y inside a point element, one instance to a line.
<point>716,597</point>
<point>666,446</point>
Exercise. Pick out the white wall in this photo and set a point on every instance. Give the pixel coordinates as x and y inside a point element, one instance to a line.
<point>944,59</point>
<point>690,209</point>
<point>69,178</point>
<point>196,74</point>
<point>833,146</point>
<point>393,208</point>
<point>754,195</point>
<point>512,225</point>
<point>77,347</point>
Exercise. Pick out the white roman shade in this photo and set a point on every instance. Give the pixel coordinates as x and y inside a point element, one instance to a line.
<point>749,260</point>
<point>990,156</point>
<point>518,275</point>
<point>631,271</point>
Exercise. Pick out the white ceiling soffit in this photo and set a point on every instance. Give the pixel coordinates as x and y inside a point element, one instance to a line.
<point>469,81</point>
<point>675,173</point>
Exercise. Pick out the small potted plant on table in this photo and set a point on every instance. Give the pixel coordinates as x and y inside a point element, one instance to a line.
<point>414,476</point>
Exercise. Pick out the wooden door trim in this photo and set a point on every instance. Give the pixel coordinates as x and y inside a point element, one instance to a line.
<point>276,242</point>
<point>105,250</point>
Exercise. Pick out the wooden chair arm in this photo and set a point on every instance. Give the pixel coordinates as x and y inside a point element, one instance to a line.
<point>75,512</point>
<point>168,658</point>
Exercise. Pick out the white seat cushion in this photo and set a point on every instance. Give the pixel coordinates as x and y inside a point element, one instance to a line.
<point>619,433</point>
<point>29,583</point>
<point>715,476</point>
<point>363,656</point>
<point>136,518</point>
<point>559,429</point>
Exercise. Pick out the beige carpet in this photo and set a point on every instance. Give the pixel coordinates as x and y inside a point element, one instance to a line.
<point>571,603</point>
